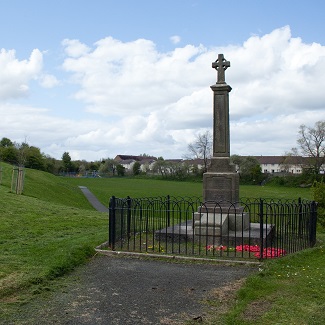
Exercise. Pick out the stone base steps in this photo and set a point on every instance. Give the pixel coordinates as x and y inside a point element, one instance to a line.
<point>184,232</point>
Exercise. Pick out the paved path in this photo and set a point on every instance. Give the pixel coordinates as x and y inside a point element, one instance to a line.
<point>93,200</point>
<point>120,290</point>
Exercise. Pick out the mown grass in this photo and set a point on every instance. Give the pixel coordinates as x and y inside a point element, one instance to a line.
<point>104,188</point>
<point>51,228</point>
<point>133,187</point>
<point>38,238</point>
<point>275,192</point>
<point>41,238</point>
<point>288,290</point>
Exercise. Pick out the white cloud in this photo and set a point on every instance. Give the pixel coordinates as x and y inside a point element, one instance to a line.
<point>175,39</point>
<point>277,73</point>
<point>119,78</point>
<point>48,81</point>
<point>141,100</point>
<point>15,75</point>
<point>74,48</point>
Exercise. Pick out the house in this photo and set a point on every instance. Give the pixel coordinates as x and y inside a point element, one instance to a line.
<point>269,164</point>
<point>278,164</point>
<point>147,163</point>
<point>197,163</point>
<point>127,161</point>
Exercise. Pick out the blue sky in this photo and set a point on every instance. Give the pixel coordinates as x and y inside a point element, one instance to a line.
<point>100,78</point>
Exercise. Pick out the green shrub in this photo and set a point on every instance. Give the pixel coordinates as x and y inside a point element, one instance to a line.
<point>289,180</point>
<point>318,191</point>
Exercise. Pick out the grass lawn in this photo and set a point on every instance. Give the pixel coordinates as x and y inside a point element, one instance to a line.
<point>104,188</point>
<point>283,193</point>
<point>51,229</point>
<point>289,290</point>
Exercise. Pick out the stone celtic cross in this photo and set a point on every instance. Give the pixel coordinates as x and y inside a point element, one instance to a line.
<point>221,65</point>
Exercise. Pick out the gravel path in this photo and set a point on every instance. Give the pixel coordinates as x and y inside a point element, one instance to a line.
<point>121,290</point>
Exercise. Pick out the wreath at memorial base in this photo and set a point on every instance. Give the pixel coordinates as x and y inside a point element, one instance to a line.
<point>268,252</point>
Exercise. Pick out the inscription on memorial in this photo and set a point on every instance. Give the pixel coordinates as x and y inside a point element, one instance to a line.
<point>219,188</point>
<point>220,138</point>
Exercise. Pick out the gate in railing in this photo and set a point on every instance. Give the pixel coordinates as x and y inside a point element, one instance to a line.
<point>260,228</point>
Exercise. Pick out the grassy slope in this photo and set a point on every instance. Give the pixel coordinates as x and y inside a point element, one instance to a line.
<point>42,238</point>
<point>47,187</point>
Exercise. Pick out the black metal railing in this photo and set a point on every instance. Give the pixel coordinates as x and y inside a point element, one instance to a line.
<point>252,228</point>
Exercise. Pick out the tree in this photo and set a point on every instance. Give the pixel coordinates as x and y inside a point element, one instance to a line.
<point>120,170</point>
<point>9,154</point>
<point>249,169</point>
<point>160,166</point>
<point>5,142</point>
<point>237,161</point>
<point>290,160</point>
<point>201,148</point>
<point>66,160</point>
<point>108,167</point>
<point>22,153</point>
<point>34,158</point>
<point>136,168</point>
<point>311,141</point>
<point>52,165</point>
<point>82,169</point>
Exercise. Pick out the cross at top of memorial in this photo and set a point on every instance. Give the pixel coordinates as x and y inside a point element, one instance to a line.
<point>221,65</point>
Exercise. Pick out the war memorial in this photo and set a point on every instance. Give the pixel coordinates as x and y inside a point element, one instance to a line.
<point>219,223</point>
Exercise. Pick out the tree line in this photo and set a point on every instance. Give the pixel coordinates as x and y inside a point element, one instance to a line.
<point>25,155</point>
<point>311,143</point>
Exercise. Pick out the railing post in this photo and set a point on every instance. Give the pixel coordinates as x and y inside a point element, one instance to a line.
<point>261,228</point>
<point>111,222</point>
<point>128,221</point>
<point>312,224</point>
<point>300,218</point>
<point>168,210</point>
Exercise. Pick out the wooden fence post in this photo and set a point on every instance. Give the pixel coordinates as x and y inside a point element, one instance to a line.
<point>17,180</point>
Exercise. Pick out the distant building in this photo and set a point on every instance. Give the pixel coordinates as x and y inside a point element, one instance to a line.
<point>280,164</point>
<point>147,162</point>
<point>269,164</point>
<point>127,161</point>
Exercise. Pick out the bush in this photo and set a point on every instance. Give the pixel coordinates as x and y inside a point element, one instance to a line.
<point>289,180</point>
<point>318,190</point>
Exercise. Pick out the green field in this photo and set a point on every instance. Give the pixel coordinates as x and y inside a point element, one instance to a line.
<point>133,187</point>
<point>51,229</point>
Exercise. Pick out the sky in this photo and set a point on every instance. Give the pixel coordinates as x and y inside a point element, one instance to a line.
<point>98,78</point>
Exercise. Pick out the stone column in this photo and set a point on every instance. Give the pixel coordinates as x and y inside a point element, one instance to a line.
<point>221,143</point>
<point>221,182</point>
<point>220,215</point>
